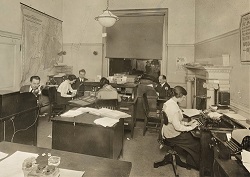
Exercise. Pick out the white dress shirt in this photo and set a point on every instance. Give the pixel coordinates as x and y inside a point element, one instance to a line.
<point>175,124</point>
<point>64,88</point>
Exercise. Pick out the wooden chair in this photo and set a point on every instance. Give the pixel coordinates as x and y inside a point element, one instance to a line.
<point>152,119</point>
<point>56,106</point>
<point>172,157</point>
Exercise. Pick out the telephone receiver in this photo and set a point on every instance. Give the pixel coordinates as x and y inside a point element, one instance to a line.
<point>246,143</point>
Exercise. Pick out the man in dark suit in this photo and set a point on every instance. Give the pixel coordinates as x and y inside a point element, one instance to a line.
<point>36,89</point>
<point>79,83</point>
<point>34,86</point>
<point>163,87</point>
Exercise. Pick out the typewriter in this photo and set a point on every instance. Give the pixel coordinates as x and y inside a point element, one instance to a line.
<point>229,144</point>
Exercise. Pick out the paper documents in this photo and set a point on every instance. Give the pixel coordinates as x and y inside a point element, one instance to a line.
<point>214,115</point>
<point>246,159</point>
<point>12,165</point>
<point>93,111</point>
<point>71,113</point>
<point>70,173</point>
<point>113,113</point>
<point>106,121</point>
<point>191,112</point>
<point>3,155</point>
<point>235,116</point>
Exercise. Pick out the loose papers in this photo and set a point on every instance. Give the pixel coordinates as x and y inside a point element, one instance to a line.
<point>106,121</point>
<point>191,112</point>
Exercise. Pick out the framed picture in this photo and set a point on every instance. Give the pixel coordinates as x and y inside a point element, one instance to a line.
<point>245,38</point>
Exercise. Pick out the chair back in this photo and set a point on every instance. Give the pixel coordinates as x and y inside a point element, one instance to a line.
<point>165,118</point>
<point>52,94</point>
<point>145,103</point>
<point>107,103</point>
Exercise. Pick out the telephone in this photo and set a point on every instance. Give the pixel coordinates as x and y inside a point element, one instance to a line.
<point>246,143</point>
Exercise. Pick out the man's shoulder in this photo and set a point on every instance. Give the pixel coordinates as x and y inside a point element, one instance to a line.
<point>25,88</point>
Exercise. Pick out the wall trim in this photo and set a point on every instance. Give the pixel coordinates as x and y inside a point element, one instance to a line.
<point>230,33</point>
<point>240,107</point>
<point>83,44</point>
<point>180,45</point>
<point>10,35</point>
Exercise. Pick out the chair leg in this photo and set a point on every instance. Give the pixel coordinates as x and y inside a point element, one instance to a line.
<point>144,128</point>
<point>174,164</point>
<point>166,160</point>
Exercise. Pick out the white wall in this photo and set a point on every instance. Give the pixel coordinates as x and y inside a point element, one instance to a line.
<point>217,33</point>
<point>10,18</point>
<point>79,27</point>
<point>10,36</point>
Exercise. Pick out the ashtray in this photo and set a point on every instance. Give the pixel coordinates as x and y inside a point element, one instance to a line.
<point>54,160</point>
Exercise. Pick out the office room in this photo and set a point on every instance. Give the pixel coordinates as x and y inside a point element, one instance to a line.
<point>162,88</point>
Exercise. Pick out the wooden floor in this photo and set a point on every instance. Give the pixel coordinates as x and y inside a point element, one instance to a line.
<point>142,151</point>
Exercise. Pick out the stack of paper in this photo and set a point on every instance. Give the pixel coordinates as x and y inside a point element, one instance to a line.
<point>246,159</point>
<point>93,111</point>
<point>113,113</point>
<point>214,115</point>
<point>191,112</point>
<point>106,121</point>
<point>71,113</point>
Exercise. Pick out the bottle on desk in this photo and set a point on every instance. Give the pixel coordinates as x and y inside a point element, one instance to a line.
<point>93,93</point>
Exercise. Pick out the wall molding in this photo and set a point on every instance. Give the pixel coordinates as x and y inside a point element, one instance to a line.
<point>239,107</point>
<point>10,35</point>
<point>230,33</point>
<point>83,44</point>
<point>180,45</point>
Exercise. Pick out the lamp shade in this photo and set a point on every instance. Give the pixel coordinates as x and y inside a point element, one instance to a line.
<point>107,19</point>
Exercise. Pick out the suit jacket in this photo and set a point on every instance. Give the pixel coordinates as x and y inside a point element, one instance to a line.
<point>163,90</point>
<point>42,99</point>
<point>25,88</point>
<point>79,87</point>
<point>77,83</point>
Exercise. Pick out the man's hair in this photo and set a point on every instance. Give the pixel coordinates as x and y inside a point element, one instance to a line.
<point>103,81</point>
<point>71,77</point>
<point>163,77</point>
<point>82,70</point>
<point>34,77</point>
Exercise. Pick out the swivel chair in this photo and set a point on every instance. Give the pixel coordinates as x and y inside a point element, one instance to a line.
<point>172,157</point>
<point>56,106</point>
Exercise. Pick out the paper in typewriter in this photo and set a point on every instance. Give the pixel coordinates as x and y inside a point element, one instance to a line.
<point>191,112</point>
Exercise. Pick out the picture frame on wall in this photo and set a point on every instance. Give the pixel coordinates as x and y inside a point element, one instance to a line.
<point>245,38</point>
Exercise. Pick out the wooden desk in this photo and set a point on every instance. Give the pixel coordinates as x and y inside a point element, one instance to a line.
<point>229,168</point>
<point>129,107</point>
<point>93,166</point>
<point>82,135</point>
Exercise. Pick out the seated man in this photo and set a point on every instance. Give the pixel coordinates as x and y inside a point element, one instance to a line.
<point>34,86</point>
<point>36,89</point>
<point>79,83</point>
<point>107,91</point>
<point>163,87</point>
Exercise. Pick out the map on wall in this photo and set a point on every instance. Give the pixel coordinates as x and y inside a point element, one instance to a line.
<point>245,37</point>
<point>41,43</point>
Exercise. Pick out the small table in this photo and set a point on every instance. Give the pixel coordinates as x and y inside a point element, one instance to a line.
<point>81,135</point>
<point>93,166</point>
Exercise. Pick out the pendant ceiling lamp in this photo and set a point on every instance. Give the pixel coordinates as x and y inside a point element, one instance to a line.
<point>107,19</point>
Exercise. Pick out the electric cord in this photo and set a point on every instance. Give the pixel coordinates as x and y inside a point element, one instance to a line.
<point>24,129</point>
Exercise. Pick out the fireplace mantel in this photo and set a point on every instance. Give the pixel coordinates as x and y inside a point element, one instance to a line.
<point>216,77</point>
